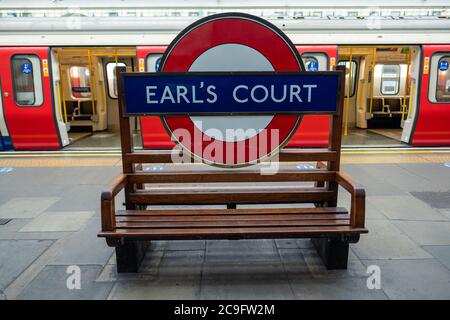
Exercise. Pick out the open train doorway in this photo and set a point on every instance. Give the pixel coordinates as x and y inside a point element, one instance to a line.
<point>380,94</point>
<point>87,94</point>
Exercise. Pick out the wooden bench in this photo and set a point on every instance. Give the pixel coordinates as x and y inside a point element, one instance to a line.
<point>331,228</point>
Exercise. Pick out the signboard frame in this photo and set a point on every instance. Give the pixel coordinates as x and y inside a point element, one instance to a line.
<point>125,75</point>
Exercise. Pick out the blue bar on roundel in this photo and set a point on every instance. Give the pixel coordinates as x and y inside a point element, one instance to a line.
<point>230,93</point>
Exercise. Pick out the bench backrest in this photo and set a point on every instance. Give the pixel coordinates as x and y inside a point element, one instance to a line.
<point>132,160</point>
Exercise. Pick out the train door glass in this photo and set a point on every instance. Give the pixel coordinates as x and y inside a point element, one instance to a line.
<point>390,79</point>
<point>153,61</point>
<point>354,66</point>
<point>316,61</point>
<point>27,80</point>
<point>440,79</point>
<point>80,86</point>
<point>111,68</point>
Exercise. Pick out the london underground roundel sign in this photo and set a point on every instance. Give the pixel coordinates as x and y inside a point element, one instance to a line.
<point>232,43</point>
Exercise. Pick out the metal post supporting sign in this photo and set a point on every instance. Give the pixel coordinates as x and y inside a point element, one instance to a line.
<point>234,84</point>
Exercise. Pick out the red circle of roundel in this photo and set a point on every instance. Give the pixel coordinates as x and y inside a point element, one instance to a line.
<point>231,29</point>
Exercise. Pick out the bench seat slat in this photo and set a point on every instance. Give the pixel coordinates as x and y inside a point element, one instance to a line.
<point>232,232</point>
<point>249,211</point>
<point>247,194</point>
<point>261,217</point>
<point>230,223</point>
<point>226,176</point>
<point>286,155</point>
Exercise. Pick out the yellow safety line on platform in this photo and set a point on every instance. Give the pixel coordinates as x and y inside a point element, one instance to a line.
<point>117,154</point>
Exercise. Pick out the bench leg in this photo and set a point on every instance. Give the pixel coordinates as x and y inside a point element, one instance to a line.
<point>333,251</point>
<point>129,255</point>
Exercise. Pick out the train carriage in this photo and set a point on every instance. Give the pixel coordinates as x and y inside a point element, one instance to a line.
<point>57,75</point>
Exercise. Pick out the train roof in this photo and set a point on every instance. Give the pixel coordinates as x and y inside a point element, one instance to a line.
<point>115,22</point>
<point>48,4</point>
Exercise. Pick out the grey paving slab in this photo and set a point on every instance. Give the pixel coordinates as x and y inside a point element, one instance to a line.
<point>16,256</point>
<point>286,243</point>
<point>26,207</point>
<point>373,212</point>
<point>400,177</point>
<point>181,265</point>
<point>314,262</point>
<point>148,270</point>
<point>306,262</point>
<point>436,173</point>
<point>426,232</point>
<point>178,245</point>
<point>241,250</point>
<point>444,212</point>
<point>14,225</point>
<point>385,241</point>
<point>33,235</point>
<point>58,221</point>
<point>84,247</point>
<point>413,279</point>
<point>404,207</point>
<point>12,189</point>
<point>67,175</point>
<point>80,198</point>
<point>440,200</point>
<point>294,263</point>
<point>163,289</point>
<point>248,289</point>
<point>334,288</point>
<point>374,184</point>
<point>242,270</point>
<point>304,243</point>
<point>51,283</point>
<point>441,253</point>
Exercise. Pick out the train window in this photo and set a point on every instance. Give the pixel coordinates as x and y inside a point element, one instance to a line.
<point>80,82</point>
<point>111,76</point>
<point>27,80</point>
<point>153,61</point>
<point>315,61</point>
<point>390,78</point>
<point>443,80</point>
<point>439,80</point>
<point>346,63</point>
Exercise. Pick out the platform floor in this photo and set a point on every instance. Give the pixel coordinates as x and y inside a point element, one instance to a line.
<point>52,204</point>
<point>355,137</point>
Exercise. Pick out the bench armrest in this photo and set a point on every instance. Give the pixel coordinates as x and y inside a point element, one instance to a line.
<point>108,211</point>
<point>358,198</point>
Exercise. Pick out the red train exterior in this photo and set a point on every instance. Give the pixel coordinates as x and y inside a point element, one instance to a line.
<point>432,127</point>
<point>36,127</point>
<point>30,127</point>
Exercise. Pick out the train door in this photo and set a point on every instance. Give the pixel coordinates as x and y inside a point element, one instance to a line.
<point>154,135</point>
<point>30,115</point>
<point>5,140</point>
<point>313,130</point>
<point>379,97</point>
<point>431,121</point>
<point>88,93</point>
